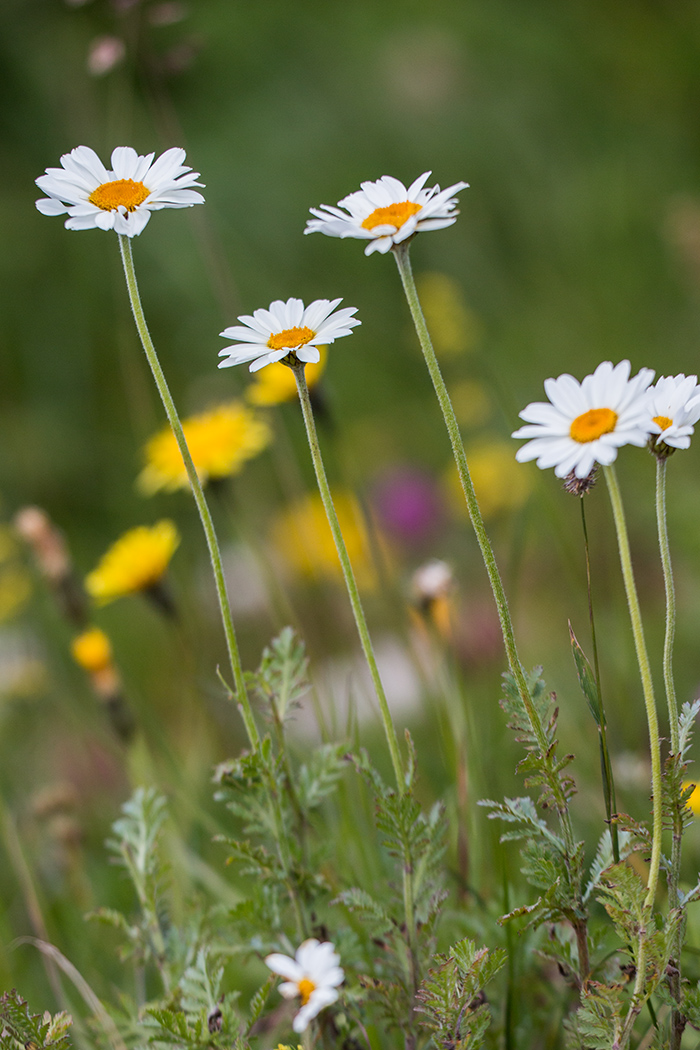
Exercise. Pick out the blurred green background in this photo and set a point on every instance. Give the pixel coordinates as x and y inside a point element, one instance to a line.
<point>576,125</point>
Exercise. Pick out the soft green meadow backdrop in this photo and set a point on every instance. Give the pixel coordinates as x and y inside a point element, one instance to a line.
<point>577,126</point>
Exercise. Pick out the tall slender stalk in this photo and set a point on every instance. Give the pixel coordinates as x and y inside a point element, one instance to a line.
<point>358,612</point>
<point>197,491</point>
<point>645,673</point>
<point>670,601</point>
<point>605,763</point>
<point>674,875</point>
<point>404,265</point>
<point>654,743</point>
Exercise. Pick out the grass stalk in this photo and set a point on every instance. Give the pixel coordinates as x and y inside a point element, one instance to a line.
<point>605,762</point>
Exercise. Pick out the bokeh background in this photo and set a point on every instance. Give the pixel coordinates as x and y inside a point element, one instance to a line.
<point>576,125</point>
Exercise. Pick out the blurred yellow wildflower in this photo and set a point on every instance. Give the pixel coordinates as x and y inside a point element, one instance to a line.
<point>693,800</point>
<point>472,403</point>
<point>303,537</point>
<point>220,441</point>
<point>455,329</point>
<point>92,651</point>
<point>136,562</point>
<point>275,383</point>
<point>500,485</point>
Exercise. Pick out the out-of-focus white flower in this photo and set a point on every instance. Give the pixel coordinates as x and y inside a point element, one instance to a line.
<point>674,406</point>
<point>385,212</point>
<point>270,335</point>
<point>104,54</point>
<point>120,199</point>
<point>313,975</point>
<point>587,422</point>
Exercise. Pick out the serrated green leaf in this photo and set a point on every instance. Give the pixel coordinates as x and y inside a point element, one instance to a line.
<point>586,680</point>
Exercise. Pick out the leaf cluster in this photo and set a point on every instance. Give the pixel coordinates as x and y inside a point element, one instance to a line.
<point>452,1001</point>
<point>22,1030</point>
<point>541,764</point>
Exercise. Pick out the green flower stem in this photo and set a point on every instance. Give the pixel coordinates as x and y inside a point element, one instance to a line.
<point>404,264</point>
<point>670,602</point>
<point>645,672</point>
<point>638,996</point>
<point>358,612</point>
<point>677,1021</point>
<point>605,763</point>
<point>197,491</point>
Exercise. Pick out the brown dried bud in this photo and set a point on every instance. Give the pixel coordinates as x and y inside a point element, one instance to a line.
<point>580,486</point>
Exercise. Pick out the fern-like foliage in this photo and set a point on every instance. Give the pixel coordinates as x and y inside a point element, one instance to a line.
<point>404,925</point>
<point>282,678</point>
<point>541,765</point>
<point>452,1002</point>
<point>21,1030</point>
<point>136,846</point>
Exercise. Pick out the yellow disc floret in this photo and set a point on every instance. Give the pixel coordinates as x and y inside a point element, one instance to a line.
<point>92,650</point>
<point>220,442</point>
<point>275,383</point>
<point>122,193</point>
<point>663,421</point>
<point>392,215</point>
<point>290,338</point>
<point>593,424</point>
<point>136,562</point>
<point>306,987</point>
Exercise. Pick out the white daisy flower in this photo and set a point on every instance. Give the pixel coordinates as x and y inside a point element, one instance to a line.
<point>270,335</point>
<point>313,975</point>
<point>120,199</point>
<point>586,422</point>
<point>674,406</point>
<point>385,212</point>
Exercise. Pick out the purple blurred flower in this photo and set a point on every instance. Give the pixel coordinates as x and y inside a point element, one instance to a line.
<point>408,504</point>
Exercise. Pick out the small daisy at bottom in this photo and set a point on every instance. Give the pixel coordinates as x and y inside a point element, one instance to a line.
<point>313,975</point>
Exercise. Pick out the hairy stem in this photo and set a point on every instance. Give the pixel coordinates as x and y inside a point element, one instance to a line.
<point>645,673</point>
<point>197,491</point>
<point>638,995</point>
<point>404,265</point>
<point>350,582</point>
<point>674,875</point>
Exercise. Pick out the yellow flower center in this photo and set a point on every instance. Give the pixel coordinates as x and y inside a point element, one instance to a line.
<point>306,987</point>
<point>121,193</point>
<point>290,338</point>
<point>663,421</point>
<point>393,215</point>
<point>593,424</point>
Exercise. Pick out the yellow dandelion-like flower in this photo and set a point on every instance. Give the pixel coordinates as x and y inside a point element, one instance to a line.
<point>454,328</point>
<point>136,562</point>
<point>220,441</point>
<point>693,800</point>
<point>276,383</point>
<point>500,487</point>
<point>303,537</point>
<point>92,651</point>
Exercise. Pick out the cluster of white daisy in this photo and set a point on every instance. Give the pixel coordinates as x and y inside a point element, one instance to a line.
<point>385,213</point>
<point>585,423</point>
